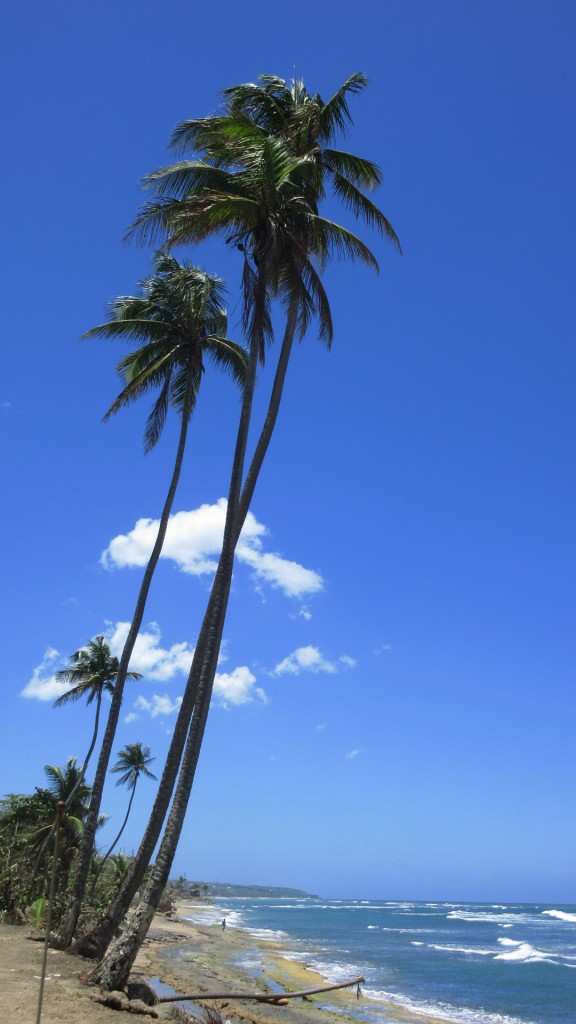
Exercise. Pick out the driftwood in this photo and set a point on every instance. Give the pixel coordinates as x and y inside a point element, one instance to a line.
<point>280,999</point>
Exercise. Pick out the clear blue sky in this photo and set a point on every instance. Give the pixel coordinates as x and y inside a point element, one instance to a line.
<point>398,719</point>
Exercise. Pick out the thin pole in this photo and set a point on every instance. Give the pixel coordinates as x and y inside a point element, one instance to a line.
<point>60,807</point>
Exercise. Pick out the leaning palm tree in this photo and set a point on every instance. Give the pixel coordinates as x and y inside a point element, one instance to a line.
<point>273,225</point>
<point>180,317</point>
<point>132,762</point>
<point>252,187</point>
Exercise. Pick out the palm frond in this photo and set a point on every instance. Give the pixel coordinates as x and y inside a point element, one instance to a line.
<point>335,114</point>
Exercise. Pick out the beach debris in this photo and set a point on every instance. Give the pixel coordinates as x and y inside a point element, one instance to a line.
<point>119,1001</point>
<point>276,999</point>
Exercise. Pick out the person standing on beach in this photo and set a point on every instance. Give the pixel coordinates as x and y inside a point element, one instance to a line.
<point>223,924</point>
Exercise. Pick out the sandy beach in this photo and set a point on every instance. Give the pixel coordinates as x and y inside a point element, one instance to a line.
<point>179,954</point>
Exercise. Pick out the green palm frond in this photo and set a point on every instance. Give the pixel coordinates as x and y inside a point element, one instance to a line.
<point>264,167</point>
<point>359,171</point>
<point>180,307</point>
<point>335,115</point>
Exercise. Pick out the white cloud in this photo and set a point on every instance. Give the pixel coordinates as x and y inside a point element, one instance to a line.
<point>230,688</point>
<point>194,540</point>
<point>153,661</point>
<point>352,754</point>
<point>131,717</point>
<point>347,661</point>
<point>237,687</point>
<point>158,704</point>
<point>304,659</point>
<point>305,613</point>
<point>44,685</point>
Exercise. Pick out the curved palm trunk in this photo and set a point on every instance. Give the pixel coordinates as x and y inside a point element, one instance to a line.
<point>114,970</point>
<point>94,943</point>
<point>116,841</point>
<point>69,920</point>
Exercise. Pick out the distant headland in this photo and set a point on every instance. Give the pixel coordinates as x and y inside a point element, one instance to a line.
<point>214,889</point>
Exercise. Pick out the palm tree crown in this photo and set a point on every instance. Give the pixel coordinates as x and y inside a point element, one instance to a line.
<point>180,317</point>
<point>132,762</point>
<point>92,672</point>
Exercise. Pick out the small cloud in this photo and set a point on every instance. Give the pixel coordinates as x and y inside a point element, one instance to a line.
<point>383,649</point>
<point>44,685</point>
<point>321,727</point>
<point>237,687</point>
<point>353,754</point>
<point>347,661</point>
<point>304,659</point>
<point>158,704</point>
<point>131,717</point>
<point>5,405</point>
<point>304,613</point>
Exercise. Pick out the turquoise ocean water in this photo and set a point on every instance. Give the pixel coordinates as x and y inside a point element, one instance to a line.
<point>466,963</point>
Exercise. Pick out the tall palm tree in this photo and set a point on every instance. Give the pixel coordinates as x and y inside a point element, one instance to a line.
<point>252,187</point>
<point>132,762</point>
<point>180,317</point>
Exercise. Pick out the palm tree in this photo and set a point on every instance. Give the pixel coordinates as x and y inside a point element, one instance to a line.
<point>132,762</point>
<point>180,317</point>
<point>252,187</point>
<point>92,673</point>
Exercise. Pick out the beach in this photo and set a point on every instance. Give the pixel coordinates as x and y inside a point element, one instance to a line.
<point>177,953</point>
<point>425,963</point>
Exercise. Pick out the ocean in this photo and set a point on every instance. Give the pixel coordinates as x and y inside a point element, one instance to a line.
<point>466,963</point>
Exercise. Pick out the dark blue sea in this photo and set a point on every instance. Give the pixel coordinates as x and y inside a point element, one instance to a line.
<point>466,963</point>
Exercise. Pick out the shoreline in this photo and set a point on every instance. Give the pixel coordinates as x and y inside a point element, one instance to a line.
<point>194,957</point>
<point>187,957</point>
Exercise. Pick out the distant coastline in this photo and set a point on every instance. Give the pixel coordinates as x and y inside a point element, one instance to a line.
<point>231,889</point>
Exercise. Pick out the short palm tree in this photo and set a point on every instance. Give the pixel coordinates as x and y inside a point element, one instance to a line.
<point>93,672</point>
<point>132,762</point>
<point>179,317</point>
<point>252,187</point>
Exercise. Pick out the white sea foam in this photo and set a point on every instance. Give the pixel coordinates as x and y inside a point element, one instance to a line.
<point>562,915</point>
<point>202,914</point>
<point>267,934</point>
<point>462,949</point>
<point>442,1011</point>
<point>523,952</point>
<point>504,920</point>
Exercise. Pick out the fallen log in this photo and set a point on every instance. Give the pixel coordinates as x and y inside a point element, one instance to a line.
<point>281,999</point>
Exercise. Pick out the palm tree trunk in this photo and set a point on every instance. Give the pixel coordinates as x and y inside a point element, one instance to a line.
<point>117,840</point>
<point>114,970</point>
<point>96,941</point>
<point>69,920</point>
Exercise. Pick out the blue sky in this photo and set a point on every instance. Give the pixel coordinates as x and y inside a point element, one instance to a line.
<point>395,704</point>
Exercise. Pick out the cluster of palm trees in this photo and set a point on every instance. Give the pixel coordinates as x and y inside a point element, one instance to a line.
<point>254,175</point>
